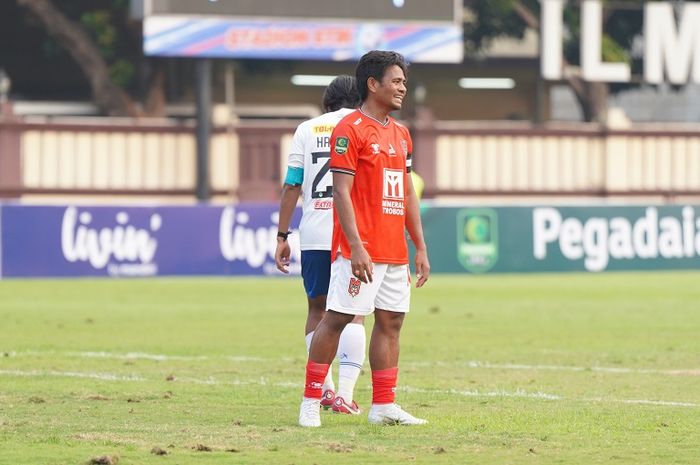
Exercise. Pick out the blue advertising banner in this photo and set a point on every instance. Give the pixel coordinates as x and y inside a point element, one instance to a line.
<point>213,37</point>
<point>141,241</point>
<point>66,241</point>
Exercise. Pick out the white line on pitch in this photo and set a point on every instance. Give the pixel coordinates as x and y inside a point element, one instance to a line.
<point>468,363</point>
<point>520,366</point>
<point>144,356</point>
<point>71,374</point>
<point>298,385</point>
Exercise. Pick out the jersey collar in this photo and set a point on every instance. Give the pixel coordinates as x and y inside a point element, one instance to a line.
<point>384,124</point>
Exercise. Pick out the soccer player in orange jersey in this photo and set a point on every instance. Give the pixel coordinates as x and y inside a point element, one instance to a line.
<point>374,203</point>
<point>308,174</point>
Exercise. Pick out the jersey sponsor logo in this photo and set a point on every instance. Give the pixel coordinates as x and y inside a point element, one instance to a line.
<point>393,201</point>
<point>323,204</point>
<point>341,145</point>
<point>323,128</point>
<point>393,184</point>
<point>354,287</point>
<point>375,148</point>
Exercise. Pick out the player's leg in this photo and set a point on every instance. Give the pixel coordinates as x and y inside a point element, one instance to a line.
<point>323,348</point>
<point>393,294</point>
<point>315,271</point>
<point>351,357</point>
<point>347,298</point>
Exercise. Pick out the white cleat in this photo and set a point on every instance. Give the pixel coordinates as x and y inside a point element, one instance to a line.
<point>310,413</point>
<point>392,414</point>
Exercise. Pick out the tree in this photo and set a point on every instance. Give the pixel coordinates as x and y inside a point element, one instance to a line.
<point>511,18</point>
<point>95,42</point>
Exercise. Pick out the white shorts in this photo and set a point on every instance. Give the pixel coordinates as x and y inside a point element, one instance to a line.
<point>390,289</point>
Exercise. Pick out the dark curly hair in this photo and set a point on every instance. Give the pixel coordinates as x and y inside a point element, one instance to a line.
<point>341,93</point>
<point>374,64</point>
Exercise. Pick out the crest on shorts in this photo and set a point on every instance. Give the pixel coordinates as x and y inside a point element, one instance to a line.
<point>354,287</point>
<point>341,145</point>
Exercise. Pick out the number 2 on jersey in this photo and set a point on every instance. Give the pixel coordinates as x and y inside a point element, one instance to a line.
<point>316,191</point>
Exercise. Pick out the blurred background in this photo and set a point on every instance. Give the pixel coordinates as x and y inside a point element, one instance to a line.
<point>118,114</point>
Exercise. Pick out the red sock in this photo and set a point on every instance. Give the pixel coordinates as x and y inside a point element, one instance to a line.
<point>384,385</point>
<point>315,374</point>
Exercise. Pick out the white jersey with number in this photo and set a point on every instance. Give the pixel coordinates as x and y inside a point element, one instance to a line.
<point>311,151</point>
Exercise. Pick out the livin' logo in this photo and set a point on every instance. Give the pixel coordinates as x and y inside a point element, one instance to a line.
<point>123,248</point>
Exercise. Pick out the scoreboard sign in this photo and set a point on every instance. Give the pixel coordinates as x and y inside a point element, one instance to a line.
<point>304,29</point>
<point>384,10</point>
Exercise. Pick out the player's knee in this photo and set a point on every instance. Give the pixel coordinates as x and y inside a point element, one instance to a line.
<point>389,323</point>
<point>337,321</point>
<point>317,305</point>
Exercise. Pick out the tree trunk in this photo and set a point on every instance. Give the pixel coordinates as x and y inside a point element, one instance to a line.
<point>593,98</point>
<point>109,98</point>
<point>155,97</point>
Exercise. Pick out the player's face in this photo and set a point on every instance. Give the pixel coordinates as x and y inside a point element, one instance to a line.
<point>392,88</point>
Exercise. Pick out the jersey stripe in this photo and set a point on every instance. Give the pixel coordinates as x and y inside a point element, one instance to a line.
<point>343,170</point>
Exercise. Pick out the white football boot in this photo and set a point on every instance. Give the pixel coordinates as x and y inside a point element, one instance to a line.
<point>392,414</point>
<point>310,413</point>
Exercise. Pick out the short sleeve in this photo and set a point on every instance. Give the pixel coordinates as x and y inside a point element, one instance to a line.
<point>344,149</point>
<point>409,152</point>
<point>296,151</point>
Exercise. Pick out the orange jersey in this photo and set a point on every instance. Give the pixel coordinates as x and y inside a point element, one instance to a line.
<point>379,156</point>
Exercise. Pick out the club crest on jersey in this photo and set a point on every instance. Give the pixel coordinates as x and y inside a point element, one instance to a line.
<point>341,145</point>
<point>354,287</point>
<point>375,148</point>
<point>404,147</point>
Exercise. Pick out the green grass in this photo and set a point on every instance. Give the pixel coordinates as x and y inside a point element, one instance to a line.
<point>511,369</point>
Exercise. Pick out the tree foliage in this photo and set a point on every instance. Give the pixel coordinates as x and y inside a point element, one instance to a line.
<point>100,37</point>
<point>622,26</point>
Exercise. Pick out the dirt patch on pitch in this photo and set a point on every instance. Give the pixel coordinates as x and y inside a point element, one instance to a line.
<point>340,448</point>
<point>159,451</point>
<point>104,460</point>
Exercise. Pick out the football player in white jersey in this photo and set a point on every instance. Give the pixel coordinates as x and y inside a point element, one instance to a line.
<point>308,174</point>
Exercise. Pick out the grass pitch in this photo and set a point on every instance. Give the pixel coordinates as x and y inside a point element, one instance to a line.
<point>538,369</point>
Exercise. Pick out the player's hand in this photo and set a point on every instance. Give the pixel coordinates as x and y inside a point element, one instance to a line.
<point>422,267</point>
<point>282,254</point>
<point>361,264</point>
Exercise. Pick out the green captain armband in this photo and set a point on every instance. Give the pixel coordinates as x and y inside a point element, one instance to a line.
<point>295,176</point>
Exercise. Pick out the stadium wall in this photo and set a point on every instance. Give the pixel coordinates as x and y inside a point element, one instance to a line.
<point>102,158</point>
<point>128,241</point>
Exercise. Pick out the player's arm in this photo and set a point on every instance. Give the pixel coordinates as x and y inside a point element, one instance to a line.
<point>360,260</point>
<point>415,230</point>
<point>290,196</point>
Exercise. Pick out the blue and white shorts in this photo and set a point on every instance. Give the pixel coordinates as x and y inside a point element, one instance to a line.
<point>316,271</point>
